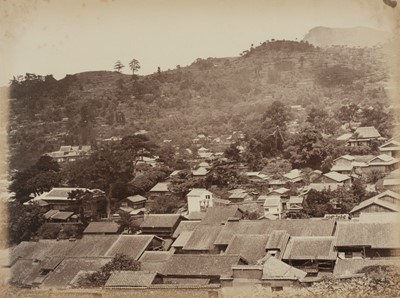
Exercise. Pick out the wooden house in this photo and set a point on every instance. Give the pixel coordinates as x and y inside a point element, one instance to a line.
<point>363,136</point>
<point>367,240</point>
<point>159,189</point>
<point>102,228</point>
<point>335,177</point>
<point>199,199</point>
<point>161,225</point>
<point>311,254</point>
<point>134,202</point>
<point>391,148</point>
<point>387,201</point>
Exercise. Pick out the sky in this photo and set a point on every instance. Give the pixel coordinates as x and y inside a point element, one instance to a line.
<point>62,37</point>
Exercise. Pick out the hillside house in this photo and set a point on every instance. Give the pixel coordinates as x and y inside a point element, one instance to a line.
<point>200,172</point>
<point>273,205</point>
<point>391,148</point>
<point>69,153</point>
<point>392,184</point>
<point>387,201</point>
<point>59,216</point>
<point>199,199</point>
<point>367,240</point>
<point>133,202</point>
<point>334,177</point>
<point>363,136</point>
<point>383,163</point>
<point>294,176</point>
<point>295,204</point>
<point>57,199</point>
<point>160,189</point>
<point>161,225</point>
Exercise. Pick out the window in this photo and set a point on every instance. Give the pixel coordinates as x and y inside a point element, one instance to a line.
<point>207,197</point>
<point>266,209</point>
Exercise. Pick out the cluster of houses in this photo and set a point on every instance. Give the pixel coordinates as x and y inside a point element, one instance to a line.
<point>215,248</point>
<point>210,244</point>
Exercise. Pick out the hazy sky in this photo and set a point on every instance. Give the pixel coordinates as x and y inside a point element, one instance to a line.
<point>68,36</point>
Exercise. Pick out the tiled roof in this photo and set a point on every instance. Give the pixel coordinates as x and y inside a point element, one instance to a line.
<point>160,187</point>
<point>250,247</point>
<point>219,214</point>
<point>185,225</point>
<point>196,215</point>
<point>200,265</point>
<point>100,227</point>
<point>367,132</point>
<point>160,220</point>
<point>130,245</point>
<point>272,201</point>
<point>306,248</point>
<point>130,279</point>
<point>62,215</point>
<point>69,268</point>
<point>182,239</point>
<point>136,198</point>
<point>274,268</point>
<point>198,192</point>
<point>295,227</point>
<point>337,176</point>
<point>375,201</point>
<point>375,235</point>
<point>203,237</point>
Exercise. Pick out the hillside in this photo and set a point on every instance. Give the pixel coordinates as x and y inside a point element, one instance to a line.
<point>350,37</point>
<point>213,96</point>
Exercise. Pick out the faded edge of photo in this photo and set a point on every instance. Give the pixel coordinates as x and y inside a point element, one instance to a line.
<point>14,13</point>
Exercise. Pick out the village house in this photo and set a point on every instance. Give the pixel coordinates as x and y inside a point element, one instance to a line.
<point>160,189</point>
<point>199,269</point>
<point>392,184</point>
<point>391,148</point>
<point>273,206</point>
<point>161,225</point>
<point>69,153</point>
<point>383,163</point>
<point>133,202</point>
<point>367,240</point>
<point>311,254</point>
<point>363,136</point>
<point>295,204</point>
<point>200,172</point>
<point>102,228</point>
<point>334,177</point>
<point>199,199</point>
<point>59,216</point>
<point>387,201</point>
<point>58,199</point>
<point>294,176</point>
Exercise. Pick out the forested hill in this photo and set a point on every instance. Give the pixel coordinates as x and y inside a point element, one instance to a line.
<point>212,96</point>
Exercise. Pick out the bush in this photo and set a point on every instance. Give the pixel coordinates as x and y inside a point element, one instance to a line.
<point>49,231</point>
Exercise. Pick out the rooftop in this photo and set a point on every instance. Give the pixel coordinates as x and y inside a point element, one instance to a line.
<point>140,279</point>
<point>160,220</point>
<point>337,176</point>
<point>250,247</point>
<point>160,187</point>
<point>102,227</point>
<point>306,248</point>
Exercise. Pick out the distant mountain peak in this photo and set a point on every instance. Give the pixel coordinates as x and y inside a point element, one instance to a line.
<point>351,37</point>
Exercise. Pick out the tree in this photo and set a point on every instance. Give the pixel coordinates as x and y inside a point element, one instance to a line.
<point>232,152</point>
<point>358,190</point>
<point>23,222</point>
<point>134,65</point>
<point>276,115</point>
<point>85,200</point>
<point>99,278</point>
<point>41,177</point>
<point>118,66</point>
<point>166,204</point>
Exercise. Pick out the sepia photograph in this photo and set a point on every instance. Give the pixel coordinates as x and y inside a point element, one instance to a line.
<point>215,148</point>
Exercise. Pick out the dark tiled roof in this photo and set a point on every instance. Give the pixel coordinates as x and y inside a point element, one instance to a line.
<point>203,237</point>
<point>185,225</point>
<point>200,265</point>
<point>307,248</point>
<point>69,268</point>
<point>250,247</point>
<point>130,279</point>
<point>106,227</point>
<point>376,235</point>
<point>160,220</point>
<point>130,245</point>
<point>219,214</point>
<point>295,227</point>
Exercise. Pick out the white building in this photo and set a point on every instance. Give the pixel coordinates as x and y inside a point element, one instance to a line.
<point>199,199</point>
